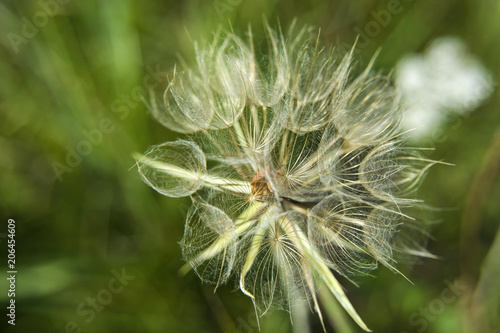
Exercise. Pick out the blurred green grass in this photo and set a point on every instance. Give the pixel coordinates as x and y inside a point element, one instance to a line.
<point>71,233</point>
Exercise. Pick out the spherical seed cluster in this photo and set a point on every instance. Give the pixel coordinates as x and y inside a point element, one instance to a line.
<point>307,176</point>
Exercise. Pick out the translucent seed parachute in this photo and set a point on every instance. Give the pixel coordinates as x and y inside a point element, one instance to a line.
<point>308,172</point>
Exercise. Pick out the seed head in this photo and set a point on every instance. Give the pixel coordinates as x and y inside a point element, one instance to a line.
<point>308,173</point>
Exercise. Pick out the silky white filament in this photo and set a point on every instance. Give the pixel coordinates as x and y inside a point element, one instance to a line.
<point>308,172</point>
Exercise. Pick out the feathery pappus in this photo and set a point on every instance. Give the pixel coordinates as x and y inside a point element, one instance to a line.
<point>294,163</point>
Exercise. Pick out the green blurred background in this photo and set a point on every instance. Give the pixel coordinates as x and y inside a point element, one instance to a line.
<point>75,77</point>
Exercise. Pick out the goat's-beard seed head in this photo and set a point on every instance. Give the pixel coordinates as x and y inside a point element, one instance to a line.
<point>308,173</point>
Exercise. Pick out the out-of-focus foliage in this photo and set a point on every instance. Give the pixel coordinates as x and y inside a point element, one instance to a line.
<point>71,79</point>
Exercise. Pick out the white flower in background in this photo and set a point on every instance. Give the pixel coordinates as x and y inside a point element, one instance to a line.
<point>294,166</point>
<point>443,81</point>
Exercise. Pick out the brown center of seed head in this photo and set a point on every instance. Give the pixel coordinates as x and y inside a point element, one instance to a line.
<point>260,186</point>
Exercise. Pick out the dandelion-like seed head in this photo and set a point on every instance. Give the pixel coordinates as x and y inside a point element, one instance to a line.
<point>307,171</point>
